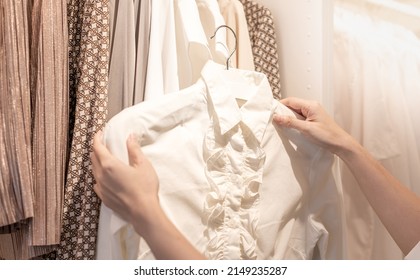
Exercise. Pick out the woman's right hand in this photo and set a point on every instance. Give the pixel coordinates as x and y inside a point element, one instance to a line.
<point>317,125</point>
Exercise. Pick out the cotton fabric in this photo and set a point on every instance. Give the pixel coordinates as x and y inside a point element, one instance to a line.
<point>234,184</point>
<point>191,42</point>
<point>162,66</point>
<point>211,18</point>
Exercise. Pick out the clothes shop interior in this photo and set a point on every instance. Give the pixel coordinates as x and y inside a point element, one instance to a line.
<point>198,82</point>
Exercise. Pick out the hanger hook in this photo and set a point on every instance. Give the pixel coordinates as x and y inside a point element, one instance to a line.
<point>234,50</point>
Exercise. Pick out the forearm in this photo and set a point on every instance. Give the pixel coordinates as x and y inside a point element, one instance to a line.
<point>164,239</point>
<point>397,207</point>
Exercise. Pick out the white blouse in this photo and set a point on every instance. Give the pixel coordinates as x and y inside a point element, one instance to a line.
<point>234,184</point>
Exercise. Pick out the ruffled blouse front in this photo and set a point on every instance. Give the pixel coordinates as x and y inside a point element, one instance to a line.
<point>234,165</point>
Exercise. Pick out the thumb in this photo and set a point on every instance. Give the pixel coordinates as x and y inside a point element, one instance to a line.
<point>135,154</point>
<point>290,122</point>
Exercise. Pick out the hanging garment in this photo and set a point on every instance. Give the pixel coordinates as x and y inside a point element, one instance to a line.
<point>49,91</point>
<point>191,43</point>
<point>162,68</point>
<point>410,67</point>
<point>122,54</point>
<point>88,66</point>
<point>263,41</point>
<point>35,133</point>
<point>16,186</point>
<point>143,48</point>
<point>234,15</point>
<point>211,19</point>
<point>234,184</point>
<point>129,49</point>
<point>370,76</point>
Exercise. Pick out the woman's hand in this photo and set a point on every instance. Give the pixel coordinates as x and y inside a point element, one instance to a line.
<point>317,125</point>
<point>129,190</point>
<point>396,206</point>
<point>132,192</point>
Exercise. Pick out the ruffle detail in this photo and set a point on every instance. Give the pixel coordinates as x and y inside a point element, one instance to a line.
<point>234,169</point>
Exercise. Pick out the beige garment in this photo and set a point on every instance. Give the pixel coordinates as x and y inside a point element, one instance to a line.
<point>16,199</point>
<point>122,56</point>
<point>234,15</point>
<point>144,20</point>
<point>49,89</point>
<point>129,49</point>
<point>37,101</point>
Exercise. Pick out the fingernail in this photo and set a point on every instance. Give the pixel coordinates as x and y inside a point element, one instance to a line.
<point>131,137</point>
<point>134,137</point>
<point>100,134</point>
<point>278,118</point>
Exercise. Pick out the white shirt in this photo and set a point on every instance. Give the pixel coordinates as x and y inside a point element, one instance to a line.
<point>211,18</point>
<point>191,43</point>
<point>162,67</point>
<point>234,184</point>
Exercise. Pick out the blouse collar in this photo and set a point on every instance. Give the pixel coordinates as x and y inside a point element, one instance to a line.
<point>225,87</point>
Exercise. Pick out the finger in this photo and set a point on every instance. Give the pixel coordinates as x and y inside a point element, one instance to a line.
<point>135,154</point>
<point>98,148</point>
<point>296,104</point>
<point>97,189</point>
<point>290,122</point>
<point>95,166</point>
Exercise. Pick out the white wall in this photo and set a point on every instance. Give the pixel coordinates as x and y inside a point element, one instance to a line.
<point>304,38</point>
